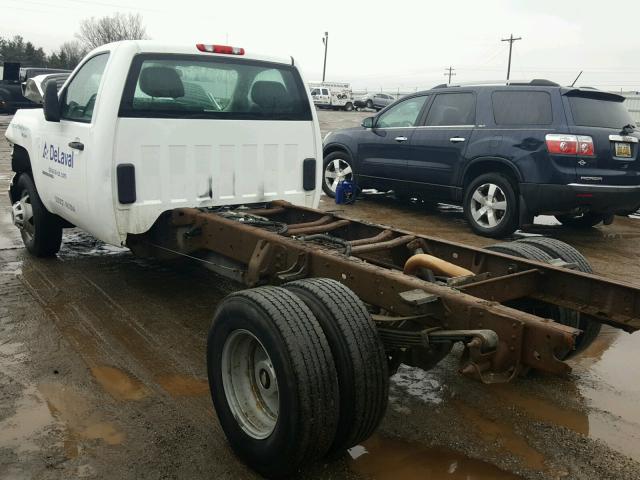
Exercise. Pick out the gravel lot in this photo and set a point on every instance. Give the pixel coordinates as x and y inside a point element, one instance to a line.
<point>102,372</point>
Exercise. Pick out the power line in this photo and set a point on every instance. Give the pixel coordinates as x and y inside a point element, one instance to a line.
<point>511,39</point>
<point>449,72</point>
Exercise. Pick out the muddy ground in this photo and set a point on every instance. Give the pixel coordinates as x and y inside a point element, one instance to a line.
<point>102,372</point>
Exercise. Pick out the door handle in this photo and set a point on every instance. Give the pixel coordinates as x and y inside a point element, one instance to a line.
<point>77,145</point>
<point>400,139</point>
<point>456,139</point>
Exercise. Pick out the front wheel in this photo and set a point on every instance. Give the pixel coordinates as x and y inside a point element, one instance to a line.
<point>490,205</point>
<point>337,167</point>
<point>41,231</point>
<point>585,220</point>
<point>273,380</point>
<point>369,104</point>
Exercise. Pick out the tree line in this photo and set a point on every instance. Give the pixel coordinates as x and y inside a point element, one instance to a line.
<point>93,32</point>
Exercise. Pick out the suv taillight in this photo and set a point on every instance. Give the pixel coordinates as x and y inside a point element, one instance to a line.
<point>570,144</point>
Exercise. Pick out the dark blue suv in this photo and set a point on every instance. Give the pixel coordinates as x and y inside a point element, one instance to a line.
<point>505,152</point>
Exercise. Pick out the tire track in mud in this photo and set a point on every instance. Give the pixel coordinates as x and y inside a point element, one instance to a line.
<point>125,357</point>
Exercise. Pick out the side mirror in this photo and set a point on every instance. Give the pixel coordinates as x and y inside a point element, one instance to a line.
<point>368,122</point>
<point>51,103</point>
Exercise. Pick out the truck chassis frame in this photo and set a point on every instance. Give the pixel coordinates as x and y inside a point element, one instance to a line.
<point>280,242</point>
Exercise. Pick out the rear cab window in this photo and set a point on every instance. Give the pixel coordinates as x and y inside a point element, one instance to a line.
<point>193,86</point>
<point>521,108</point>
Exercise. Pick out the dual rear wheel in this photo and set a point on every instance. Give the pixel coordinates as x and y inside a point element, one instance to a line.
<point>296,373</point>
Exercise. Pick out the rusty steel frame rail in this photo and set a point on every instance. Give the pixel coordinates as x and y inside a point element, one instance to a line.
<point>525,340</point>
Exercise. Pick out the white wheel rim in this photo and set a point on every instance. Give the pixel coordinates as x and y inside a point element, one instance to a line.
<point>488,205</point>
<point>336,171</point>
<point>250,384</point>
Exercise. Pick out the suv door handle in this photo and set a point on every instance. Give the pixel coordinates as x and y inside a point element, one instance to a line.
<point>400,139</point>
<point>456,139</point>
<point>77,145</point>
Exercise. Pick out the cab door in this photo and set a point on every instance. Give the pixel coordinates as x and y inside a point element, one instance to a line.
<point>66,146</point>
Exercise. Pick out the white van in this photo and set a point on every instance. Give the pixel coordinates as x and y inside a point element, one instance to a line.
<point>335,95</point>
<point>141,128</point>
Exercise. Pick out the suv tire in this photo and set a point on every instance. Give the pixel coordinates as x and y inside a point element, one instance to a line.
<point>497,218</point>
<point>339,162</point>
<point>586,220</point>
<point>41,231</point>
<point>369,104</point>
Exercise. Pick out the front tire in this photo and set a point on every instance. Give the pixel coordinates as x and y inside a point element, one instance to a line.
<point>273,380</point>
<point>41,231</point>
<point>337,166</point>
<point>369,104</point>
<point>490,205</point>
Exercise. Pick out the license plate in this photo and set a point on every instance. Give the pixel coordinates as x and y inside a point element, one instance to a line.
<point>623,150</point>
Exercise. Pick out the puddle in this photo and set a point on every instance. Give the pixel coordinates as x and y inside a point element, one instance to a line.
<point>184,386</point>
<point>80,418</point>
<point>118,384</point>
<point>44,408</point>
<point>382,458</point>
<point>542,409</point>
<point>611,386</point>
<point>495,432</point>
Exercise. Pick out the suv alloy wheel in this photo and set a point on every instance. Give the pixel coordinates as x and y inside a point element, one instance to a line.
<point>336,167</point>
<point>490,205</point>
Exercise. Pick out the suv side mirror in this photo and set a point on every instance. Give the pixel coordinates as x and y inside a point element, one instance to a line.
<point>368,122</point>
<point>51,102</point>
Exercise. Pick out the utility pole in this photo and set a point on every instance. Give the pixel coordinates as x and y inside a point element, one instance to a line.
<point>325,40</point>
<point>449,72</point>
<point>511,39</point>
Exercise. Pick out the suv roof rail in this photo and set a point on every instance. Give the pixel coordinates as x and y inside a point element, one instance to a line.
<point>538,82</point>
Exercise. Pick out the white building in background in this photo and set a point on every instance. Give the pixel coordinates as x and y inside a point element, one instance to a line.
<point>632,103</point>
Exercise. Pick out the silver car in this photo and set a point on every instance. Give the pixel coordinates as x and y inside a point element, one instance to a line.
<point>376,101</point>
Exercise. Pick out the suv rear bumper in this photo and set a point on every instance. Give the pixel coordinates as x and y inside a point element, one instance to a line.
<point>550,198</point>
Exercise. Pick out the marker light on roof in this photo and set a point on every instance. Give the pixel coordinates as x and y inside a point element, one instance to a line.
<point>225,49</point>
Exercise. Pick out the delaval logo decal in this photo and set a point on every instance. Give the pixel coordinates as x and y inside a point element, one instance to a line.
<point>53,153</point>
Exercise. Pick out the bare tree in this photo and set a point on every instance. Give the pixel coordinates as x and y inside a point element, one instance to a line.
<point>68,56</point>
<point>98,31</point>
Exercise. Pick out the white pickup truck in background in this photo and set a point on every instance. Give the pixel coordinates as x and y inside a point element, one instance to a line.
<point>140,128</point>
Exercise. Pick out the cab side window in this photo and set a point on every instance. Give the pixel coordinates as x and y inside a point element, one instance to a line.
<point>80,96</point>
<point>403,114</point>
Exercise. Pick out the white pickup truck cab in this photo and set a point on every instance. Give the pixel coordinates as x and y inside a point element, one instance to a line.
<point>140,128</point>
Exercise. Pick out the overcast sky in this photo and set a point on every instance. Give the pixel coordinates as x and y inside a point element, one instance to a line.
<point>375,45</point>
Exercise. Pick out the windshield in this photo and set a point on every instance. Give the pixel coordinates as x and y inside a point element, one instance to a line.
<point>592,112</point>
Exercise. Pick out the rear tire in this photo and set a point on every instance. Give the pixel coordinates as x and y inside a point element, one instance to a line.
<point>586,220</point>
<point>348,107</point>
<point>490,205</point>
<point>41,231</point>
<point>260,339</point>
<point>545,250</point>
<point>369,104</point>
<point>359,355</point>
<point>557,249</point>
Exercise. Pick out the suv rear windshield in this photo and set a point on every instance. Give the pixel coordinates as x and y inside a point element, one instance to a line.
<point>594,112</point>
<point>193,86</point>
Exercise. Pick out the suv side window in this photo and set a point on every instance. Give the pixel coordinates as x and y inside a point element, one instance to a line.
<point>450,109</point>
<point>521,108</point>
<point>403,114</point>
<point>80,95</point>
